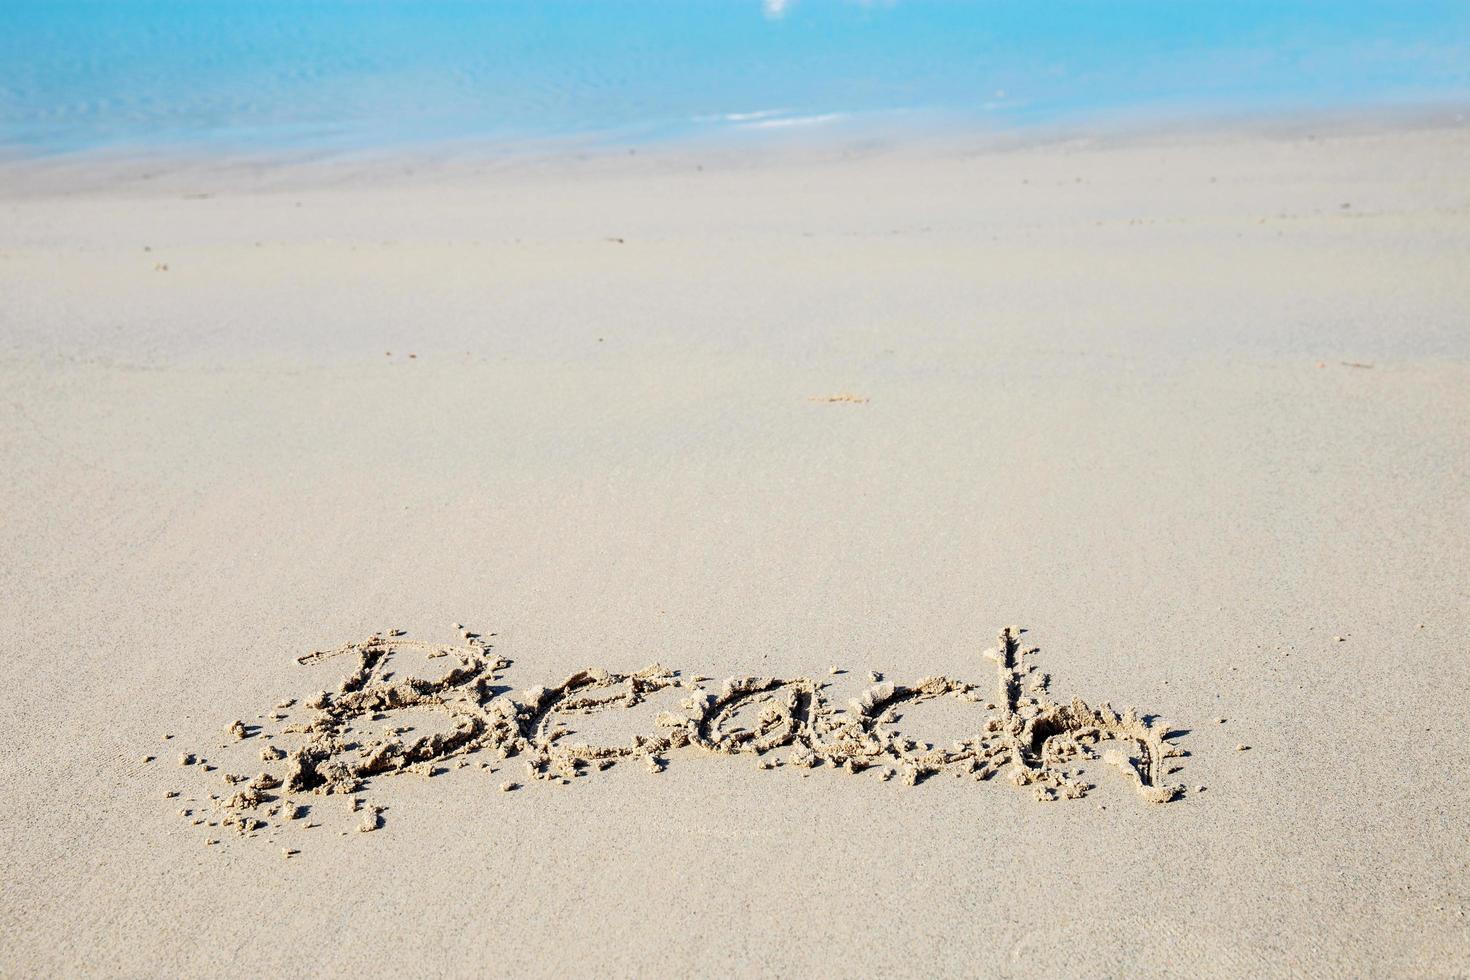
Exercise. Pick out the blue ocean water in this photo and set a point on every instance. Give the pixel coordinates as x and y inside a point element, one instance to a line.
<point>84,74</point>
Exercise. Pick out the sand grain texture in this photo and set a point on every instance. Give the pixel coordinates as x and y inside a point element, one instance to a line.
<point>852,410</point>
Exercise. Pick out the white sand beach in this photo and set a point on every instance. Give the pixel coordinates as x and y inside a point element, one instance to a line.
<point>1192,409</point>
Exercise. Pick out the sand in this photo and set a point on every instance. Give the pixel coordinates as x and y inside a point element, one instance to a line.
<point>1191,408</point>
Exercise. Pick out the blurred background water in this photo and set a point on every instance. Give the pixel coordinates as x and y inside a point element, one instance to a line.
<point>341,74</point>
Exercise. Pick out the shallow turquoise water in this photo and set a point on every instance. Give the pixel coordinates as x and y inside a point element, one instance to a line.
<point>78,74</point>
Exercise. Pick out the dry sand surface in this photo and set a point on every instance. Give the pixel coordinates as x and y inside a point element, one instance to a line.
<point>1193,410</point>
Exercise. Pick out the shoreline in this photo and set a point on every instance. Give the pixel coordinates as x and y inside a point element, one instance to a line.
<point>171,168</point>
